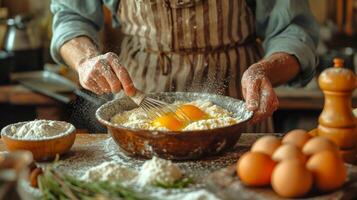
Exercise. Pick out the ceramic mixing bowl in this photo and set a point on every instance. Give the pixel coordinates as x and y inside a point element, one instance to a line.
<point>175,145</point>
<point>42,149</point>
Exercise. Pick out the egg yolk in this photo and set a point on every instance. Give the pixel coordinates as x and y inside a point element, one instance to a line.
<point>192,112</point>
<point>176,121</point>
<point>169,121</point>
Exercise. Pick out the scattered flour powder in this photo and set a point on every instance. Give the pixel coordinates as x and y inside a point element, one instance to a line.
<point>194,195</point>
<point>92,155</point>
<point>151,172</point>
<point>40,129</point>
<point>109,171</point>
<point>158,170</point>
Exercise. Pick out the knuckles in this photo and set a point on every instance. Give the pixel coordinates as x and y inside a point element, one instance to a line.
<point>105,67</point>
<point>85,82</point>
<point>110,55</point>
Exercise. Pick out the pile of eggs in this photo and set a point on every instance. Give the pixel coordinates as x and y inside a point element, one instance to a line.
<point>294,165</point>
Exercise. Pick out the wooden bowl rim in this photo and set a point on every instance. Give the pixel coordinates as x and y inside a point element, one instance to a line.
<point>71,130</point>
<point>159,133</point>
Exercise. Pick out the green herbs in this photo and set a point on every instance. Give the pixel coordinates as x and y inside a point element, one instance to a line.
<point>58,186</point>
<point>55,185</point>
<point>182,183</point>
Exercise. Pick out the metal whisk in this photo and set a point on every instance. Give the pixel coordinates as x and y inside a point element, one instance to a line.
<point>155,108</point>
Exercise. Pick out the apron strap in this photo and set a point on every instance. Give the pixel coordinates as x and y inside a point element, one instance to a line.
<point>164,62</point>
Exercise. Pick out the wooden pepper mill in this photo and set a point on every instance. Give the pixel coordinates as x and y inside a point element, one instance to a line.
<point>337,121</point>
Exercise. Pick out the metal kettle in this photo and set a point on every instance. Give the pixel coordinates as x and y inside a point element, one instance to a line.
<point>24,42</point>
<point>19,35</point>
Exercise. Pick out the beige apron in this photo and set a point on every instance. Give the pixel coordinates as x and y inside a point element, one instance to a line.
<point>189,45</point>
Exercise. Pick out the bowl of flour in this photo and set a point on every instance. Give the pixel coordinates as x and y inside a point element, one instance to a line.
<point>43,138</point>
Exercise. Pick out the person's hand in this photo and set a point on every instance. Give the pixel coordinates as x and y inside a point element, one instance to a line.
<point>104,74</point>
<point>258,92</point>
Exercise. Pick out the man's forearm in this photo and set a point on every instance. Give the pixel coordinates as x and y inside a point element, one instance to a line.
<point>78,49</point>
<point>280,68</point>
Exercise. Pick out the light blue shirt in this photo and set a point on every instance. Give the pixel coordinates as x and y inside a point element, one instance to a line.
<point>283,25</point>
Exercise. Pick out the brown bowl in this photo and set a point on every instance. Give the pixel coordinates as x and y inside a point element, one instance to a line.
<point>44,149</point>
<point>174,145</point>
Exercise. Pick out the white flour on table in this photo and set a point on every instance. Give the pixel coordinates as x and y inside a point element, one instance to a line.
<point>109,171</point>
<point>81,159</point>
<point>39,129</point>
<point>152,171</point>
<point>197,168</point>
<point>158,170</point>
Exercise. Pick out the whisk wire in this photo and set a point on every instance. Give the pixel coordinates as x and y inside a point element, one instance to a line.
<point>155,108</point>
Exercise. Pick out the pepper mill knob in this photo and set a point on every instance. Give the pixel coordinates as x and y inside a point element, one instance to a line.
<point>338,62</point>
<point>337,78</point>
<point>337,121</point>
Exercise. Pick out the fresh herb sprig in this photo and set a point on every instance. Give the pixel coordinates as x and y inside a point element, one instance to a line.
<point>59,186</point>
<point>56,185</point>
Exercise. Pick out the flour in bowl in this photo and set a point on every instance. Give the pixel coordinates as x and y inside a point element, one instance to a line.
<point>211,123</point>
<point>39,129</point>
<point>214,117</point>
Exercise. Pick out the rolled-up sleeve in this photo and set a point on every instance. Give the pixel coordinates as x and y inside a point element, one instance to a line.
<point>73,18</point>
<point>289,26</point>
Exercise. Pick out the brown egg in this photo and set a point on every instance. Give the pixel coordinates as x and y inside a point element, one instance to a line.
<point>318,144</point>
<point>267,144</point>
<point>296,137</point>
<point>291,179</point>
<point>288,151</point>
<point>255,168</point>
<point>328,170</point>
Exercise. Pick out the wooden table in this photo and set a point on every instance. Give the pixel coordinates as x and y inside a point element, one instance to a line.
<point>17,95</point>
<point>81,139</point>
<point>304,98</point>
<point>246,139</point>
<point>222,182</point>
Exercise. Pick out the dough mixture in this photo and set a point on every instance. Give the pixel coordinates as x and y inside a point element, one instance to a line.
<point>203,115</point>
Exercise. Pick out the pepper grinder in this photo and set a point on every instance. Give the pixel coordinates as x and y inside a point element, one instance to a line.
<point>337,122</point>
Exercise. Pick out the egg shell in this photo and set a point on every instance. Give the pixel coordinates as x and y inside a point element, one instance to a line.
<point>291,179</point>
<point>296,137</point>
<point>266,144</point>
<point>318,144</point>
<point>255,169</point>
<point>288,151</point>
<point>328,170</point>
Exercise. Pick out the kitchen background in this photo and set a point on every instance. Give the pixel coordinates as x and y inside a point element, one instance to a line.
<point>25,33</point>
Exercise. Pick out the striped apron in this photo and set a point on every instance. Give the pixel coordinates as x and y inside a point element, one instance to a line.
<point>188,45</point>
